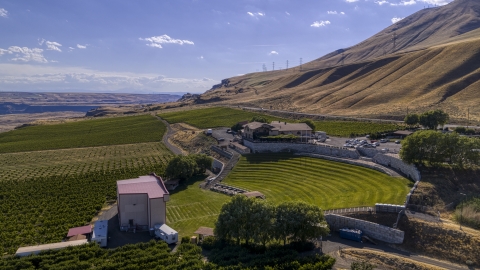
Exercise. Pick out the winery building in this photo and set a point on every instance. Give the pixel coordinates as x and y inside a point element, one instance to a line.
<point>142,202</point>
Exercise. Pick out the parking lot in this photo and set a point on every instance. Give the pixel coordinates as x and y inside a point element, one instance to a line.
<point>340,142</point>
<point>221,133</point>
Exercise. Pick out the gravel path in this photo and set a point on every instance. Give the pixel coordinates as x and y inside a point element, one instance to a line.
<point>167,135</point>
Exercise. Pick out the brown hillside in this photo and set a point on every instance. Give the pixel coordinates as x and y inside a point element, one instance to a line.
<point>445,75</point>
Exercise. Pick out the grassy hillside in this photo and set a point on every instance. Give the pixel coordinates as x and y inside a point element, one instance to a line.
<point>97,132</point>
<point>227,117</point>
<point>330,185</point>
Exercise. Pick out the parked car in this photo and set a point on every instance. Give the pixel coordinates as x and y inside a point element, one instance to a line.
<point>397,142</point>
<point>383,140</point>
<point>221,139</point>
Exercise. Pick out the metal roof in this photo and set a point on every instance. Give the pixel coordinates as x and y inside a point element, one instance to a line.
<point>165,229</point>
<point>25,251</point>
<point>100,230</point>
<point>79,230</point>
<point>151,185</point>
<point>284,126</point>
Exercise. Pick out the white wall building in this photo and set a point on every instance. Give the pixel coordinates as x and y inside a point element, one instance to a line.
<point>100,232</point>
<point>142,202</point>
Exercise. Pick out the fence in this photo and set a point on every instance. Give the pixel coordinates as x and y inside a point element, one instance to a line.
<point>349,210</point>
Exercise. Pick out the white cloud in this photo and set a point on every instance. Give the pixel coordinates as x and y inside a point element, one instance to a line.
<point>41,41</point>
<point>256,14</point>
<point>334,12</point>
<point>201,57</point>
<point>351,1</point>
<point>287,13</point>
<point>404,3</point>
<point>25,76</point>
<point>81,46</point>
<point>383,2</point>
<point>53,46</point>
<point>395,19</point>
<point>24,54</point>
<point>156,41</point>
<point>3,13</point>
<point>437,2</point>
<point>320,23</point>
<point>273,53</point>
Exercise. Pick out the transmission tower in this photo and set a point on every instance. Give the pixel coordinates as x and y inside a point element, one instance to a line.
<point>264,67</point>
<point>287,64</point>
<point>343,58</point>
<point>273,66</point>
<point>301,62</point>
<point>394,40</point>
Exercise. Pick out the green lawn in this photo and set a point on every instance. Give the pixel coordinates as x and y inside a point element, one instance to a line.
<point>96,132</point>
<point>191,207</point>
<point>227,117</point>
<point>330,185</point>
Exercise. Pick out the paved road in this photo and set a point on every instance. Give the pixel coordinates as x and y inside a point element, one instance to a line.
<point>167,135</point>
<point>333,243</point>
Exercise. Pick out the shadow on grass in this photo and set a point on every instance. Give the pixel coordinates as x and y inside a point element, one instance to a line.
<point>184,184</point>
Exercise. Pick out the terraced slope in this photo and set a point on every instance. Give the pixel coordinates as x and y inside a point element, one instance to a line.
<point>330,185</point>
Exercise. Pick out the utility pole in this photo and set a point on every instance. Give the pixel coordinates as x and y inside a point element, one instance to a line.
<point>343,58</point>
<point>468,117</point>
<point>287,64</point>
<point>273,65</point>
<point>301,64</point>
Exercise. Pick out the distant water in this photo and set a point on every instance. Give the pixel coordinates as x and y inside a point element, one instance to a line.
<point>8,108</point>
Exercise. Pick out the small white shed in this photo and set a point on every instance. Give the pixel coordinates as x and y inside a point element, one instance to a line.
<point>166,233</point>
<point>100,231</point>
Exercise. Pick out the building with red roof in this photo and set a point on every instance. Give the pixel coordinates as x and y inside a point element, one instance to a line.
<point>142,201</point>
<point>84,230</point>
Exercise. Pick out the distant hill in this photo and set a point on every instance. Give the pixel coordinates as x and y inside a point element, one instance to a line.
<point>435,64</point>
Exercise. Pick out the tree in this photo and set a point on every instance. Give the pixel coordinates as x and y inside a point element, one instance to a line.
<point>310,123</point>
<point>432,119</point>
<point>236,127</point>
<point>299,221</point>
<point>203,162</point>
<point>262,217</point>
<point>232,223</point>
<point>411,119</point>
<point>259,118</point>
<point>182,167</point>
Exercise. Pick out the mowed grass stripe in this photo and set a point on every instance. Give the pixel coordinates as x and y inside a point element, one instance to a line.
<point>330,185</point>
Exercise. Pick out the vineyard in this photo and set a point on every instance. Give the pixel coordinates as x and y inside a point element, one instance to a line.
<point>157,255</point>
<point>86,133</point>
<point>227,117</point>
<point>41,210</point>
<point>212,117</point>
<point>75,161</point>
<point>330,185</point>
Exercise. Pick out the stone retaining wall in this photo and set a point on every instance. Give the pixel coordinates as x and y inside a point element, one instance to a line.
<point>388,208</point>
<point>264,147</point>
<point>373,230</point>
<point>395,162</point>
<point>221,152</point>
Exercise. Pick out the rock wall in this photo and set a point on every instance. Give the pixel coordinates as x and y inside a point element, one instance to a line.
<point>388,208</point>
<point>394,161</point>
<point>373,230</point>
<point>221,152</point>
<point>274,147</point>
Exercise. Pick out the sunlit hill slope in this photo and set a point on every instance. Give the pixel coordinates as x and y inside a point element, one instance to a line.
<point>435,64</point>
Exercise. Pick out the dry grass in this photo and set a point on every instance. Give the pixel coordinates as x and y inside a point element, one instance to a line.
<point>386,261</point>
<point>191,139</point>
<point>434,67</point>
<point>443,240</point>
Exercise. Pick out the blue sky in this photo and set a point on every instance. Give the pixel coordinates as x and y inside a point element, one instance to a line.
<point>175,45</point>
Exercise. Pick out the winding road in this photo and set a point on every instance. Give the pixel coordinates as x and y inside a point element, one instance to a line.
<point>173,148</point>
